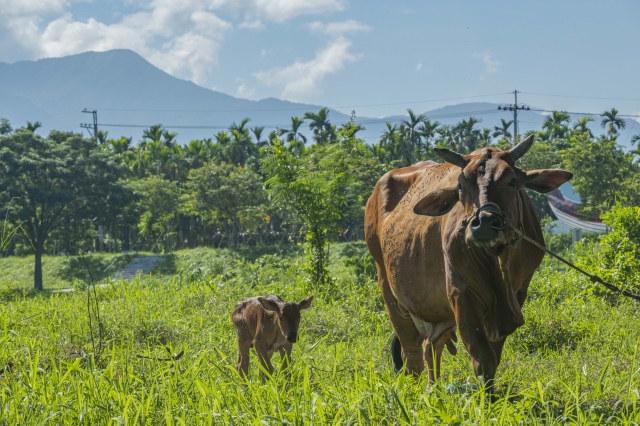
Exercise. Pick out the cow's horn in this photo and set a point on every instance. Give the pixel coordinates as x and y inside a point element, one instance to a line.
<point>521,149</point>
<point>451,157</point>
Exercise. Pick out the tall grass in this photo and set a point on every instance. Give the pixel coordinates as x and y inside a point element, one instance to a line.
<point>574,361</point>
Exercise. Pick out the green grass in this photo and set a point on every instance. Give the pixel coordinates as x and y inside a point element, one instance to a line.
<point>574,361</point>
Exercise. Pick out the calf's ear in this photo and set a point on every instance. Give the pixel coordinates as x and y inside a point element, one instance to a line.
<point>268,305</point>
<point>305,303</point>
<point>546,180</point>
<point>437,203</point>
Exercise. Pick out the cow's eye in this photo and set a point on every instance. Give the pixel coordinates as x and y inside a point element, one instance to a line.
<point>459,188</point>
<point>513,182</point>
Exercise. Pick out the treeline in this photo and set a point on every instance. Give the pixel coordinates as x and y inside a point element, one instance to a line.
<point>68,193</point>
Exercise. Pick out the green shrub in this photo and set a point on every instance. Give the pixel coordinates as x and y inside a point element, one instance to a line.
<point>615,257</point>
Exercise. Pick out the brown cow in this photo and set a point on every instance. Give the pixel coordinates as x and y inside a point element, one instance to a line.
<point>446,257</point>
<point>268,324</point>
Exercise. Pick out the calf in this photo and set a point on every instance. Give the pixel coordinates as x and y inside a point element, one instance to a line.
<point>269,324</point>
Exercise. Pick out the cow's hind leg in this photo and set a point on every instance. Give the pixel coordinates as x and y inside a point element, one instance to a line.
<point>405,329</point>
<point>433,353</point>
<point>244,351</point>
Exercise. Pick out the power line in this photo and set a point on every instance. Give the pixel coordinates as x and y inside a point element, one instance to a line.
<point>579,97</point>
<point>302,107</point>
<point>582,113</point>
<point>370,121</point>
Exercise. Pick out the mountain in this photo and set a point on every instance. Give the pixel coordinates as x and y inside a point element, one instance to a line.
<point>126,89</point>
<point>129,92</point>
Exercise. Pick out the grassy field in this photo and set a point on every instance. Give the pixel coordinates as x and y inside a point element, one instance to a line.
<point>574,361</point>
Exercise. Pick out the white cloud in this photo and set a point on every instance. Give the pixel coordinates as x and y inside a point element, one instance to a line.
<point>245,92</point>
<point>252,25</point>
<point>338,28</point>
<point>491,66</point>
<point>282,10</point>
<point>419,67</point>
<point>25,7</point>
<point>301,80</point>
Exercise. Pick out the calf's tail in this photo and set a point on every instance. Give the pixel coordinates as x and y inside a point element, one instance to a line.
<point>396,353</point>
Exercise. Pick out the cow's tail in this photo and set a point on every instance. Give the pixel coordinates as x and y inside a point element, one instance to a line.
<point>396,353</point>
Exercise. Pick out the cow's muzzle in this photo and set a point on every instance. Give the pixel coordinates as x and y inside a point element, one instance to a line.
<point>485,226</point>
<point>292,337</point>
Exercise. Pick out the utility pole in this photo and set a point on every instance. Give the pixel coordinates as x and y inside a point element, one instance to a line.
<point>90,126</point>
<point>514,107</point>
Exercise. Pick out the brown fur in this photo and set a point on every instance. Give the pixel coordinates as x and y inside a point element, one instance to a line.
<point>433,279</point>
<point>268,324</point>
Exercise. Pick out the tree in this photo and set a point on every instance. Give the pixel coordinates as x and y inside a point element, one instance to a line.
<point>158,204</point>
<point>556,125</point>
<point>612,122</point>
<point>603,173</point>
<point>5,126</point>
<point>502,130</point>
<point>412,135</point>
<point>257,132</point>
<point>582,125</point>
<point>323,131</point>
<point>427,133</point>
<point>635,139</point>
<point>54,181</point>
<point>225,194</point>
<point>314,186</point>
<point>32,127</point>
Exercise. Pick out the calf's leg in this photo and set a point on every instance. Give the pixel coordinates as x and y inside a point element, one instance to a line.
<point>264,357</point>
<point>244,350</point>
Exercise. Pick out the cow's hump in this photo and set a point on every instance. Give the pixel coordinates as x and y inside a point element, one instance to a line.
<point>395,184</point>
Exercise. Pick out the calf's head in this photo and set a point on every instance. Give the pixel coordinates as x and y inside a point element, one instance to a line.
<point>288,315</point>
<point>489,181</point>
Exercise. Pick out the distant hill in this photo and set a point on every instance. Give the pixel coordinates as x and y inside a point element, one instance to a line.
<point>128,90</point>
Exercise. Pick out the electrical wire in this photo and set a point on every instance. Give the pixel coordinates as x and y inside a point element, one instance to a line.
<point>302,107</point>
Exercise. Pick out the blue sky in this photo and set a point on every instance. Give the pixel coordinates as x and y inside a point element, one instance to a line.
<point>348,54</point>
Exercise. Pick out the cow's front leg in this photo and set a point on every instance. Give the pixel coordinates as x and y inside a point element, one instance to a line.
<point>470,325</point>
<point>404,327</point>
<point>285,356</point>
<point>265,359</point>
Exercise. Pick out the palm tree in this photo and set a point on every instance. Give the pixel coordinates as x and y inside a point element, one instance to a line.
<point>411,132</point>
<point>352,128</point>
<point>467,136</point>
<point>581,125</point>
<point>427,133</point>
<point>612,122</point>
<point>319,123</point>
<point>503,129</point>
<point>102,136</point>
<point>240,127</point>
<point>635,139</point>
<point>257,132</point>
<point>556,124</point>
<point>5,126</point>
<point>157,134</point>
<point>293,134</point>
<point>32,127</point>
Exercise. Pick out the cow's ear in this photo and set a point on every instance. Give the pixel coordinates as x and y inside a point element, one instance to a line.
<point>305,303</point>
<point>269,305</point>
<point>546,180</point>
<point>437,203</point>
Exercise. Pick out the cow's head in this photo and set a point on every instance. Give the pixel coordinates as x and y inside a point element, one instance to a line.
<point>288,315</point>
<point>489,177</point>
